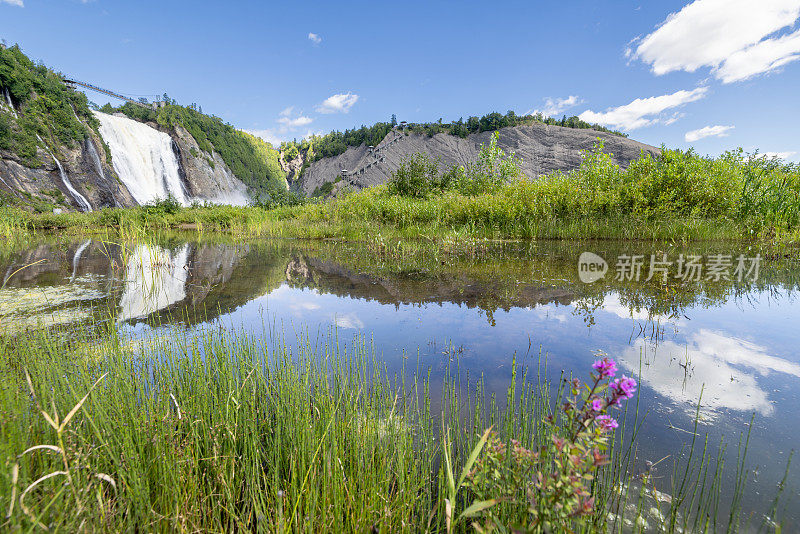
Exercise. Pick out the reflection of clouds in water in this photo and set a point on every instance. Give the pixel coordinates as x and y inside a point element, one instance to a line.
<point>714,362</point>
<point>612,304</point>
<point>548,311</point>
<point>348,321</point>
<point>740,352</point>
<point>298,302</point>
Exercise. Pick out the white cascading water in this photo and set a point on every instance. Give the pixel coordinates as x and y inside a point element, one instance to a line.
<point>11,107</point>
<point>80,199</point>
<point>10,104</point>
<point>143,159</point>
<point>95,159</point>
<point>155,279</point>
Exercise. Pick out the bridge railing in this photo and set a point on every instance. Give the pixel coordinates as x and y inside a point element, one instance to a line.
<point>106,92</point>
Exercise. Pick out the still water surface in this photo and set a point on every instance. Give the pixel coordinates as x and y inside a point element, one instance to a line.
<point>733,342</point>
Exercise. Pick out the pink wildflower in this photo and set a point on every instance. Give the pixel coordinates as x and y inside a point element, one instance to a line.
<point>606,367</point>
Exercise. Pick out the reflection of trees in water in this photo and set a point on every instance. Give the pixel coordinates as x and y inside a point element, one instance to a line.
<point>526,275</point>
<point>222,276</point>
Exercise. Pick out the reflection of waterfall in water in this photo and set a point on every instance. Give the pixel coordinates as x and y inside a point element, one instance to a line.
<point>155,279</point>
<point>77,258</point>
<point>143,159</point>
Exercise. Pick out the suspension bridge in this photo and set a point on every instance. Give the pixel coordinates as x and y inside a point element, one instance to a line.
<point>72,82</point>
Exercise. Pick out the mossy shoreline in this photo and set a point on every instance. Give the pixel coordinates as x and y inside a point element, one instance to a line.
<point>337,220</point>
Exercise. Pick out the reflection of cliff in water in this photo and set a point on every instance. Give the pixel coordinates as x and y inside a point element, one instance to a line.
<point>63,283</point>
<point>56,282</point>
<point>416,286</point>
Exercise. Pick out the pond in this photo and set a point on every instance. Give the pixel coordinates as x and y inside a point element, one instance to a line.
<point>714,324</point>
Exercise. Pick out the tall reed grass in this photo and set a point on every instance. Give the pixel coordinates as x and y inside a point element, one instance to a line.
<point>215,430</point>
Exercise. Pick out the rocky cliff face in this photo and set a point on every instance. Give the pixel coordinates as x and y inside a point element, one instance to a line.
<point>87,174</point>
<point>206,175</point>
<point>85,168</point>
<point>542,149</point>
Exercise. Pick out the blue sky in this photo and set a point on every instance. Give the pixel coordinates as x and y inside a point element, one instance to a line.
<point>713,74</point>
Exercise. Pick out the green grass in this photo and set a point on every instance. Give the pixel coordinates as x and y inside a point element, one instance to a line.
<point>678,196</point>
<point>216,433</point>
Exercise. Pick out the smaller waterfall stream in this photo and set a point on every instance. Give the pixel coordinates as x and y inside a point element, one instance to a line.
<point>95,158</point>
<point>10,104</point>
<point>80,199</point>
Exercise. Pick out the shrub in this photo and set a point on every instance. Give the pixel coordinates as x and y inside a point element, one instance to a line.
<point>417,177</point>
<point>276,199</point>
<point>492,169</point>
<point>163,206</point>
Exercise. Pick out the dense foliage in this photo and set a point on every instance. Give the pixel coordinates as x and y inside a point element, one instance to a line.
<point>752,190</point>
<point>44,106</point>
<point>335,143</point>
<point>219,434</point>
<point>251,159</point>
<point>419,176</point>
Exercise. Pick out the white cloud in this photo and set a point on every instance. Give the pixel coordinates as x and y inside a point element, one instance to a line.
<point>732,37</point>
<point>296,122</point>
<point>644,111</point>
<point>314,38</point>
<point>287,123</point>
<point>556,106</point>
<point>675,118</point>
<point>780,155</point>
<point>707,131</point>
<point>766,56</point>
<point>338,103</point>
<point>18,3</point>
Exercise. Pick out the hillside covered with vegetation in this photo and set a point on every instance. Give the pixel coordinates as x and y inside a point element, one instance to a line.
<point>335,143</point>
<point>251,159</point>
<point>45,111</point>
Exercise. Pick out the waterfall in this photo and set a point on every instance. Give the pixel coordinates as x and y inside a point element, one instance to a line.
<point>155,279</point>
<point>143,159</point>
<point>95,158</point>
<point>10,104</point>
<point>80,199</point>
